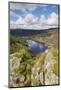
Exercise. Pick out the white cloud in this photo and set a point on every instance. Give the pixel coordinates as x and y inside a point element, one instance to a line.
<point>12,24</point>
<point>30,19</point>
<point>23,7</point>
<point>42,19</point>
<point>13,14</point>
<point>32,22</point>
<point>20,20</point>
<point>52,19</point>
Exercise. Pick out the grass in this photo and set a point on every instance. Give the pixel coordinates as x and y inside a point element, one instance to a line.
<point>55,70</point>
<point>55,53</point>
<point>19,49</point>
<point>20,69</point>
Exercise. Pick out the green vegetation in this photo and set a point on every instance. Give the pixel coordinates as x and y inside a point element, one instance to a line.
<point>56,69</point>
<point>29,61</point>
<point>55,53</point>
<point>21,68</point>
<point>17,43</point>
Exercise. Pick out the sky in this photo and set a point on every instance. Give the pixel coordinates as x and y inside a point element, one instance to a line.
<point>33,16</point>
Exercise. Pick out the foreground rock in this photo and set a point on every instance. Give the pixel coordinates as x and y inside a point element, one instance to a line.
<point>33,72</point>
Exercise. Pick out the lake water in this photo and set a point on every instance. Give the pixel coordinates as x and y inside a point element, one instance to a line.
<point>36,47</point>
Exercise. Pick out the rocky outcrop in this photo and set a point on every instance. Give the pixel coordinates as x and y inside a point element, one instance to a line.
<point>33,72</point>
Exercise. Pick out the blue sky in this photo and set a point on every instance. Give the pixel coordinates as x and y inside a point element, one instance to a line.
<point>35,12</point>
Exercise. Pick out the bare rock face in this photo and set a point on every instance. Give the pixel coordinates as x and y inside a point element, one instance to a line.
<point>50,77</point>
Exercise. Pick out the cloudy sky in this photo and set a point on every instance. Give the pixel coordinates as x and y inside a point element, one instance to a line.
<point>33,16</point>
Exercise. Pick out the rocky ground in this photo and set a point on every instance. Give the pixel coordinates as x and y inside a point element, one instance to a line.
<point>36,73</point>
<point>29,69</point>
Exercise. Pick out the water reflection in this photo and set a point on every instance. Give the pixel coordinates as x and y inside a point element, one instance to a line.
<point>36,46</point>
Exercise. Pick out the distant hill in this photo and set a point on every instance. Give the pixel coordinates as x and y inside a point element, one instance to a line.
<point>29,32</point>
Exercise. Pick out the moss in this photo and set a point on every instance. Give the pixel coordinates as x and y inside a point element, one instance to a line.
<point>55,53</point>
<point>31,62</point>
<point>55,70</point>
<point>20,69</point>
